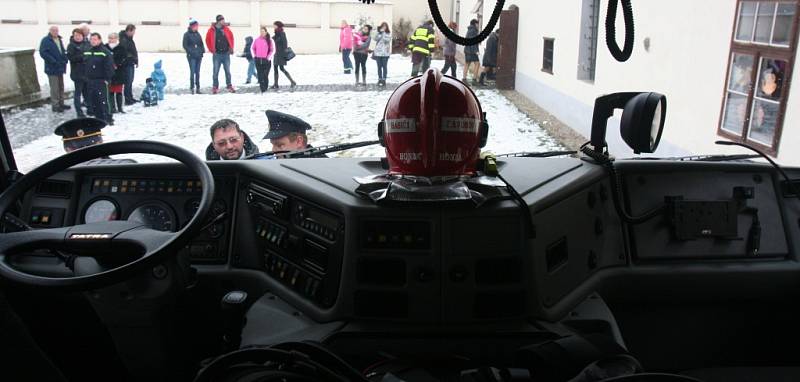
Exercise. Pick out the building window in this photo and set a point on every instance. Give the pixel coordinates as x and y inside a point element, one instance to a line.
<point>757,86</point>
<point>547,62</point>
<point>587,46</point>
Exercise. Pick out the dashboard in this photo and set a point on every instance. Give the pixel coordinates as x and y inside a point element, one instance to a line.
<point>298,229</point>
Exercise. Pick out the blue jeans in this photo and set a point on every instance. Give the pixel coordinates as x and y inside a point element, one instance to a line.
<point>80,89</point>
<point>130,70</point>
<point>223,59</point>
<point>251,69</point>
<point>346,59</point>
<point>194,72</point>
<point>383,67</point>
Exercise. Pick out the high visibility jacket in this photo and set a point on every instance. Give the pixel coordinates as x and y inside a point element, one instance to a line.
<point>422,41</point>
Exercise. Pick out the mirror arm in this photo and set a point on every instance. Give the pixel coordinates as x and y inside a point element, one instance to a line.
<point>603,110</point>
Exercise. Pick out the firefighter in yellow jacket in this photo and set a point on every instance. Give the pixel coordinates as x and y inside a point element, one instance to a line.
<point>421,45</point>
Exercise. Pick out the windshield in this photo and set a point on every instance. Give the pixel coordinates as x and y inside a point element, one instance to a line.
<point>202,74</point>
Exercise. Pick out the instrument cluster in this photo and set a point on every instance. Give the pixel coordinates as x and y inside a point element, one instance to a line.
<point>161,204</point>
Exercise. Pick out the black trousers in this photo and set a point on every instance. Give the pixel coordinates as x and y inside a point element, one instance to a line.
<point>98,99</point>
<point>282,69</point>
<point>450,64</point>
<point>361,65</point>
<point>263,67</point>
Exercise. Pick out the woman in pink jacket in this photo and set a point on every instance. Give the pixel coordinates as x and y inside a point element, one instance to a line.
<point>346,46</point>
<point>263,49</point>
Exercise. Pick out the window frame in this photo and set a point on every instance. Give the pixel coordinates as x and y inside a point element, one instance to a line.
<point>545,40</point>
<point>760,51</point>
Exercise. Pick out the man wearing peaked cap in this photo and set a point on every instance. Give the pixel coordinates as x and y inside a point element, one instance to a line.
<point>287,132</point>
<point>80,132</point>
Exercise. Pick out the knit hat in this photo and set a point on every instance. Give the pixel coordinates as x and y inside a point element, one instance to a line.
<point>192,21</point>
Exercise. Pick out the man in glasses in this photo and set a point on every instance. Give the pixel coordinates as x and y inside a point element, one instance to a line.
<point>229,142</point>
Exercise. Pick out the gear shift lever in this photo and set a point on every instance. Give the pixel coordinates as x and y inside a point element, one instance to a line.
<point>233,308</point>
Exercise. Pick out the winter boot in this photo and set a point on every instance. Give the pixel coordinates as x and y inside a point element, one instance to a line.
<point>197,90</point>
<point>191,90</point>
<point>120,101</point>
<point>483,77</point>
<point>214,90</point>
<point>231,89</point>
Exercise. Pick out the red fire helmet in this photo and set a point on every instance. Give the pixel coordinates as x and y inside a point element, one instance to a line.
<point>433,126</point>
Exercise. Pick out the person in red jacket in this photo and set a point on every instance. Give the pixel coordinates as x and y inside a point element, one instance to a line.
<point>219,40</point>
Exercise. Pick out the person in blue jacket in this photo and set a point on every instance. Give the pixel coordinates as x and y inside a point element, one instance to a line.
<point>55,65</point>
<point>159,79</point>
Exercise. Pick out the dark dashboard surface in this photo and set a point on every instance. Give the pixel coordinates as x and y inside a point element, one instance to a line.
<point>299,229</point>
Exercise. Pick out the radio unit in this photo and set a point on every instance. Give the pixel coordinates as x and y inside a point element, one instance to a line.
<point>317,222</point>
<point>269,202</point>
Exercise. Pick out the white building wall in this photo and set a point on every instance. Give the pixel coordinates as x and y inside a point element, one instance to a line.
<point>417,10</point>
<point>687,61</point>
<point>317,31</point>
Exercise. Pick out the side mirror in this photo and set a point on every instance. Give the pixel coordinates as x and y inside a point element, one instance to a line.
<point>642,123</point>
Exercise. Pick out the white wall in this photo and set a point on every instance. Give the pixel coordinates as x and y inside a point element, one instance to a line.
<point>687,61</point>
<point>417,10</point>
<point>316,32</point>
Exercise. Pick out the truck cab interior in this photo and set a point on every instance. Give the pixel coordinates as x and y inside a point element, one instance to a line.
<point>582,268</point>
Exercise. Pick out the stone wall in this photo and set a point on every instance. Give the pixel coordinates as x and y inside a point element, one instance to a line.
<point>18,77</point>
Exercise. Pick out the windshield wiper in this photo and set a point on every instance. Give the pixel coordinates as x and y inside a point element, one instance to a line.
<point>709,158</point>
<point>546,154</point>
<point>312,152</point>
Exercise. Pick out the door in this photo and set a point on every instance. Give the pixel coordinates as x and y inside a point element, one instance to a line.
<point>507,54</point>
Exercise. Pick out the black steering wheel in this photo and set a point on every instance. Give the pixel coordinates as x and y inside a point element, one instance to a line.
<point>106,252</point>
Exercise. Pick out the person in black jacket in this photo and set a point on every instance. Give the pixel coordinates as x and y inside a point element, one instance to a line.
<point>131,61</point>
<point>77,69</point>
<point>279,59</point>
<point>99,71</point>
<point>490,55</point>
<point>117,84</point>
<point>229,142</point>
<point>251,64</point>
<point>471,54</point>
<point>193,45</point>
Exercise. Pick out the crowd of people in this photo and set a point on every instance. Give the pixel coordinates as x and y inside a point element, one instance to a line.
<point>97,70</point>
<point>103,75</point>
<point>264,53</point>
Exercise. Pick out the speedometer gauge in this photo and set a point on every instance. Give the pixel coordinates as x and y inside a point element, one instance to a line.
<point>155,216</point>
<point>101,210</point>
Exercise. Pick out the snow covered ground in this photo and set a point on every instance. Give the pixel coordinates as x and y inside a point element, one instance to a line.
<point>336,113</point>
<point>323,69</point>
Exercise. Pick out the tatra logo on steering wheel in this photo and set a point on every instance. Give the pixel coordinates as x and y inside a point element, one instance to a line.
<point>89,236</point>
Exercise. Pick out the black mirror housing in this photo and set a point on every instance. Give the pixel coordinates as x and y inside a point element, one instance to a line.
<point>642,120</point>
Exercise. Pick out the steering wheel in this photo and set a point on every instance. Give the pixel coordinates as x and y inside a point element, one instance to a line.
<point>106,252</point>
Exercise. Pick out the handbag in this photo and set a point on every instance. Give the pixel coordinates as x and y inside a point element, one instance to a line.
<point>290,54</point>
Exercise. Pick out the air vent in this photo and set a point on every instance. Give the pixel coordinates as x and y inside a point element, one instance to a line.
<point>788,191</point>
<point>54,189</point>
<point>557,255</point>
